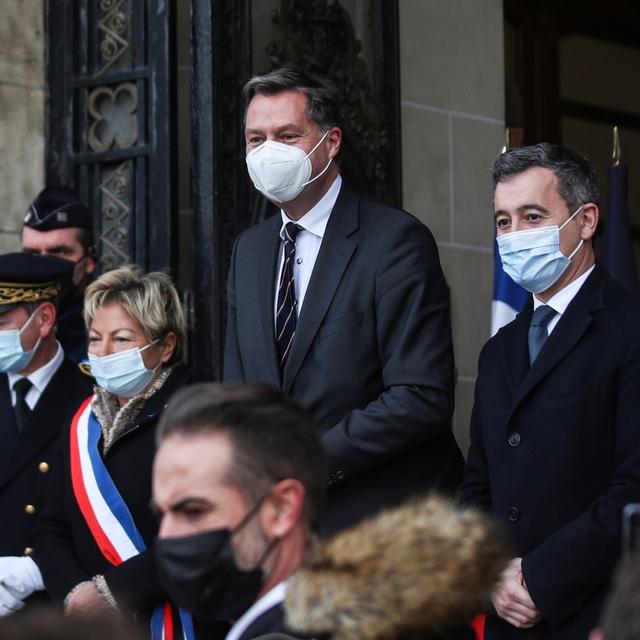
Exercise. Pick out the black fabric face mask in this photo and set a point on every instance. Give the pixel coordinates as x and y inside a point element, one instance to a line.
<point>200,574</point>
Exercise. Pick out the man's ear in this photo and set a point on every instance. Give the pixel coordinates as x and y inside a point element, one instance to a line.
<point>596,634</point>
<point>47,314</point>
<point>283,508</point>
<point>590,216</point>
<point>90,264</point>
<point>334,138</point>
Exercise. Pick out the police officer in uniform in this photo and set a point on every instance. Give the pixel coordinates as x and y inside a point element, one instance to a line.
<point>58,224</point>
<point>40,389</point>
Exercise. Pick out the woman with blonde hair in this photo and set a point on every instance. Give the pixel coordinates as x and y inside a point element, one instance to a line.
<point>92,542</point>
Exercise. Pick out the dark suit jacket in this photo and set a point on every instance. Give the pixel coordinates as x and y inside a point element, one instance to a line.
<point>27,460</point>
<point>371,359</point>
<point>67,553</point>
<point>555,451</point>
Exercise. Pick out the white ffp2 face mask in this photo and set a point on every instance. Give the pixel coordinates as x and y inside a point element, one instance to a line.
<point>532,258</point>
<point>281,171</point>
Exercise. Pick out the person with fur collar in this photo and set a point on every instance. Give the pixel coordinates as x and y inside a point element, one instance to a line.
<point>421,570</point>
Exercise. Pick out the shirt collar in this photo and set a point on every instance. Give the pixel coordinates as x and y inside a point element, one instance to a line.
<point>40,377</point>
<point>269,600</point>
<point>561,300</point>
<point>316,219</point>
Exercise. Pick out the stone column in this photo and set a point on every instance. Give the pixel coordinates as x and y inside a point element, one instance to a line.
<point>22,113</point>
<point>452,80</point>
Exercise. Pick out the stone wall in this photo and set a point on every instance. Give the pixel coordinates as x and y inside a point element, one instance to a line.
<point>452,80</point>
<point>22,113</point>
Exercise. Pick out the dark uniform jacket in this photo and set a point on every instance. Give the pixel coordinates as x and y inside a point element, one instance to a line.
<point>27,460</point>
<point>67,552</point>
<point>372,358</point>
<point>555,451</point>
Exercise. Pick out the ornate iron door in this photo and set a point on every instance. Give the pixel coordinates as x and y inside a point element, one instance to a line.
<point>224,202</point>
<point>109,122</point>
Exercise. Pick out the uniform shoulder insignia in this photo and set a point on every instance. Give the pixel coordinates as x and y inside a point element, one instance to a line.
<point>85,368</point>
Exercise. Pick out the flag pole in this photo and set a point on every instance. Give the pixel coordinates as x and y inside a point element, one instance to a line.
<point>617,239</point>
<point>507,142</point>
<point>616,154</point>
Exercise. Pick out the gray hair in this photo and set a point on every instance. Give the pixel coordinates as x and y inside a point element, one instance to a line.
<point>322,95</point>
<point>575,176</point>
<point>149,298</point>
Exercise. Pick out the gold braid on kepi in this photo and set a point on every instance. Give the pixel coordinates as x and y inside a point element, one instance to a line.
<point>31,278</point>
<point>13,293</point>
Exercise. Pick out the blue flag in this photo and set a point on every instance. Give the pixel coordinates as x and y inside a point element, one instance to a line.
<point>508,297</point>
<point>617,245</point>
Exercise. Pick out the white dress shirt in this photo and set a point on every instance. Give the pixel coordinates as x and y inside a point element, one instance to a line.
<point>39,379</point>
<point>269,600</point>
<point>308,242</point>
<point>561,300</point>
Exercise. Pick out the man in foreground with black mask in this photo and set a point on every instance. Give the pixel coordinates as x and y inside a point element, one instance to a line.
<point>57,224</point>
<point>239,482</point>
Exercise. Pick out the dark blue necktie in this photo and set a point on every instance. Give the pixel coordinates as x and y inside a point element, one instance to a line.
<point>538,329</point>
<point>286,303</point>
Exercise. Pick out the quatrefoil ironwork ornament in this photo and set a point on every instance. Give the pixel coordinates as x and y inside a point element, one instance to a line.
<point>114,117</point>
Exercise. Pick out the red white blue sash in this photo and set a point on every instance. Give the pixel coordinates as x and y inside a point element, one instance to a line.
<point>107,514</point>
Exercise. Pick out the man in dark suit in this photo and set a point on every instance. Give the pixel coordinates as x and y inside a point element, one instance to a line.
<point>555,429</point>
<point>340,301</point>
<point>238,480</point>
<point>39,391</point>
<point>58,224</point>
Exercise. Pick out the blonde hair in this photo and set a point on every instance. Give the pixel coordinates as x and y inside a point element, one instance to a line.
<point>149,298</point>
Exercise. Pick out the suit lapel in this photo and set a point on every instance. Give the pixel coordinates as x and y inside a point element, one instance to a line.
<point>514,350</point>
<point>266,280</point>
<point>334,256</point>
<point>43,426</point>
<point>567,334</point>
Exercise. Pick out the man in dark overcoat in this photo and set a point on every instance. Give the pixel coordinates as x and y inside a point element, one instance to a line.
<point>555,428</point>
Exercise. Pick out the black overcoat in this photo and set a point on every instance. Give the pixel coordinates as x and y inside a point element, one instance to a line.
<point>555,451</point>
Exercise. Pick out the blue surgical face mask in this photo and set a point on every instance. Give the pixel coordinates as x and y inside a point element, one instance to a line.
<point>12,356</point>
<point>532,258</point>
<point>122,373</point>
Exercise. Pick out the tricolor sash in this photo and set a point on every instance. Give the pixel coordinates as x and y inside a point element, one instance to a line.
<point>107,514</point>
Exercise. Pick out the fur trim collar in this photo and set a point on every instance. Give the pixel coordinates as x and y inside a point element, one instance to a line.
<point>417,569</point>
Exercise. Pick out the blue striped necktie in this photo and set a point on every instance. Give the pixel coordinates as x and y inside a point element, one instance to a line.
<point>538,329</point>
<point>286,303</point>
